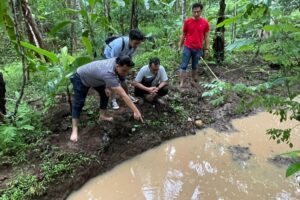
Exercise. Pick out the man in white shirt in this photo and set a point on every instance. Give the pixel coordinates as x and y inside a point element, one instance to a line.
<point>151,81</point>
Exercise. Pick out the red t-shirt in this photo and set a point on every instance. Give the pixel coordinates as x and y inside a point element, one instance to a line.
<point>194,31</point>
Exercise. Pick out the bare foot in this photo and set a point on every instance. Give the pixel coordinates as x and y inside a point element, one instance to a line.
<point>106,118</point>
<point>74,136</point>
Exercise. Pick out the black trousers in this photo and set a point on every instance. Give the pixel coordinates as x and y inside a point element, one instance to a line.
<point>141,93</point>
<point>80,93</point>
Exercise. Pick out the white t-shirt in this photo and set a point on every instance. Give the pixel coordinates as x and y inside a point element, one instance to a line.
<point>147,74</point>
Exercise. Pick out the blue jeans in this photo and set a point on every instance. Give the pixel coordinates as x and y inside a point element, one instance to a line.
<point>80,93</point>
<point>187,53</point>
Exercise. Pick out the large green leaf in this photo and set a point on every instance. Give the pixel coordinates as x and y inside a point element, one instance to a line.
<point>59,26</point>
<point>41,51</point>
<point>92,3</point>
<point>229,21</point>
<point>72,11</point>
<point>281,28</point>
<point>292,154</point>
<point>238,44</point>
<point>81,61</point>
<point>87,43</point>
<point>292,169</point>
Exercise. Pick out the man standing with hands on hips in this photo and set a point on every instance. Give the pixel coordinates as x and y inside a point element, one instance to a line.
<point>195,32</point>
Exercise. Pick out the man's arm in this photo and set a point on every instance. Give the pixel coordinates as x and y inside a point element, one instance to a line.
<point>164,78</point>
<point>140,86</point>
<point>181,40</point>
<point>206,40</point>
<point>162,84</point>
<point>206,46</point>
<point>120,91</point>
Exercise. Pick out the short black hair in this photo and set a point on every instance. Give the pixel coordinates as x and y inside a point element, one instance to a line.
<point>136,34</point>
<point>197,5</point>
<point>124,60</point>
<point>154,61</point>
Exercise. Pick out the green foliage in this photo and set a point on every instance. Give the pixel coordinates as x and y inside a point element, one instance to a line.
<point>292,169</point>
<point>13,136</point>
<point>215,89</point>
<point>280,135</point>
<point>63,164</point>
<point>88,45</point>
<point>22,188</point>
<point>63,70</point>
<point>166,55</point>
<point>177,107</point>
<point>7,51</point>
<point>154,123</point>
<point>27,186</point>
<point>59,26</point>
<point>41,51</point>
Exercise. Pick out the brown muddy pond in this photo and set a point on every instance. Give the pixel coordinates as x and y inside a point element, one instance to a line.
<point>208,165</point>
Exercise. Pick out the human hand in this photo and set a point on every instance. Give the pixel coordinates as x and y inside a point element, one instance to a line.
<point>206,54</point>
<point>151,90</point>
<point>108,92</point>
<point>137,116</point>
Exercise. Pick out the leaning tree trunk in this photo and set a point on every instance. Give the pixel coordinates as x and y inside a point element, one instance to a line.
<point>2,98</point>
<point>34,34</point>
<point>23,57</point>
<point>219,41</point>
<point>134,14</point>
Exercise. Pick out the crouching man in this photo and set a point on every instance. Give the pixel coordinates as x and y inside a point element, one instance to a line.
<point>151,82</point>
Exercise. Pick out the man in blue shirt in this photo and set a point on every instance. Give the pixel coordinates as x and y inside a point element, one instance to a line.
<point>123,46</point>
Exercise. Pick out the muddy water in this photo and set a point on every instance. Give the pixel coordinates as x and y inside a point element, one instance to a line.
<point>209,165</point>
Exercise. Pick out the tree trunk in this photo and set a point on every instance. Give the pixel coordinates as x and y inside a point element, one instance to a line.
<point>34,34</point>
<point>233,26</point>
<point>2,98</point>
<point>23,58</point>
<point>183,9</point>
<point>73,40</point>
<point>134,14</point>
<point>219,41</point>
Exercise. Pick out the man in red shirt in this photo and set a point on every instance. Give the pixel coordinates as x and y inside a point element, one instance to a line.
<point>195,32</point>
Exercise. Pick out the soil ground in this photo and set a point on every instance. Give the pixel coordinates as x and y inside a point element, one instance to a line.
<point>111,143</point>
